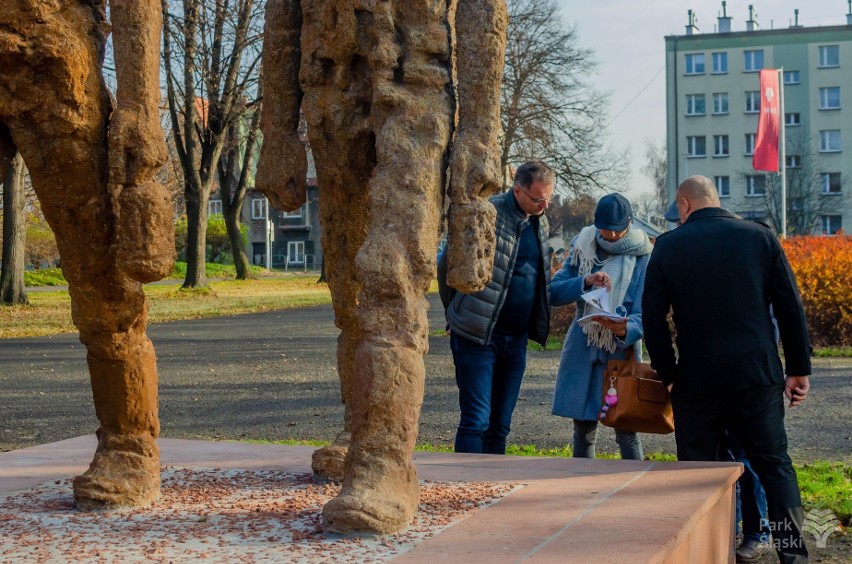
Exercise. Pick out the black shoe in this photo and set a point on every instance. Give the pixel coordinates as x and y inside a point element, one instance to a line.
<point>751,550</point>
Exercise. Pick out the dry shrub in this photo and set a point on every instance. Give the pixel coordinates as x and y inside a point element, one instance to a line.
<point>823,269</point>
<point>561,318</point>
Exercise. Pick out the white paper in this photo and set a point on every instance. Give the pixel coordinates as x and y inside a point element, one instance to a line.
<point>599,306</point>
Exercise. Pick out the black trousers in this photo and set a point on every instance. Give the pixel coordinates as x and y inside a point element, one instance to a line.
<point>756,416</point>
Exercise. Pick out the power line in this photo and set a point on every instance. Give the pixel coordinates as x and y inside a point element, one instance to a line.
<point>627,105</point>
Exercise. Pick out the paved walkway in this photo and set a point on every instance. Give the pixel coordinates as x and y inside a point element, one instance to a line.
<point>272,376</point>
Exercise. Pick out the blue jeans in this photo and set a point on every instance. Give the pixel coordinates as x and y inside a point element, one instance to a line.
<point>751,498</point>
<point>489,380</point>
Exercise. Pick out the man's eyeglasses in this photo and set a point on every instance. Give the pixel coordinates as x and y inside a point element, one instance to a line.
<point>536,201</point>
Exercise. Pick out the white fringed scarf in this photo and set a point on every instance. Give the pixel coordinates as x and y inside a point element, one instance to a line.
<point>619,265</point>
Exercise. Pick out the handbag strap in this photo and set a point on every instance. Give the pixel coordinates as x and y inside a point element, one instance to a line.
<point>631,354</point>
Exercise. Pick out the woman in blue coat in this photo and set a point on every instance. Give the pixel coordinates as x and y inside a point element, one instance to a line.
<point>613,254</point>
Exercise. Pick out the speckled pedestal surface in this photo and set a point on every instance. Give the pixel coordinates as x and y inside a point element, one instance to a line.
<point>567,510</point>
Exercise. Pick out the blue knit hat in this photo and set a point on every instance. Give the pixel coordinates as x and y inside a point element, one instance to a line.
<point>671,213</point>
<point>613,213</point>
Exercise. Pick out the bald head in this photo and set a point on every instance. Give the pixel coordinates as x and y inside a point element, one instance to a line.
<point>695,193</point>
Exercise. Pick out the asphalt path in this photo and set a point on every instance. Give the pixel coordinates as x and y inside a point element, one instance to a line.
<point>272,376</point>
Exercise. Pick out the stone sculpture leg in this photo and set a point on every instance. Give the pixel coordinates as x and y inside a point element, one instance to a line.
<point>342,206</point>
<point>54,102</point>
<point>394,267</point>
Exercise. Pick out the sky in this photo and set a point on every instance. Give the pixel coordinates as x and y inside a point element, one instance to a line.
<point>628,39</point>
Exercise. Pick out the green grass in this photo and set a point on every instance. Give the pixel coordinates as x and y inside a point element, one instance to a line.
<point>554,343</point>
<point>833,352</point>
<point>827,485</point>
<point>44,277</point>
<point>215,270</point>
<point>49,313</point>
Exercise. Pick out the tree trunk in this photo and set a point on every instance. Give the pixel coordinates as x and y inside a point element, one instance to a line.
<point>196,236</point>
<point>322,279</point>
<point>12,289</point>
<point>241,262</point>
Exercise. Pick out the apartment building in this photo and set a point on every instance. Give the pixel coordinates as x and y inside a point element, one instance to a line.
<point>712,108</point>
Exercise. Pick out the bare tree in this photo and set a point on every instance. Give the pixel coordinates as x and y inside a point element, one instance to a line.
<point>656,169</point>
<point>12,289</point>
<point>806,202</point>
<point>235,169</point>
<point>569,215</point>
<point>211,54</point>
<point>548,110</point>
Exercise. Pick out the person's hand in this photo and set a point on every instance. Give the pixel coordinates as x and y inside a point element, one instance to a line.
<point>598,279</point>
<point>796,389</point>
<point>617,326</point>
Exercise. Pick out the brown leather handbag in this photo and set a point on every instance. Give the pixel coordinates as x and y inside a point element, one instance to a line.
<point>635,399</point>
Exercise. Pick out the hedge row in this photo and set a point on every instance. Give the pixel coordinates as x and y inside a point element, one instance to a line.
<point>823,269</point>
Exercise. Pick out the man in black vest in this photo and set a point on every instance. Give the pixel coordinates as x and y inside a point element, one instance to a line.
<point>719,274</point>
<point>489,329</point>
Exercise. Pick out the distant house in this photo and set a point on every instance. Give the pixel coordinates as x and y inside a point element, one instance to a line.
<point>295,237</point>
<point>650,230</point>
<point>291,238</point>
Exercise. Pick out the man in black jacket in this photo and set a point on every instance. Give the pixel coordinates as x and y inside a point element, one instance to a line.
<point>719,274</point>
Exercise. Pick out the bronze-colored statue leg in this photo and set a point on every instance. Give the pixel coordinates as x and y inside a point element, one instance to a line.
<point>343,233</point>
<point>395,266</point>
<point>57,117</point>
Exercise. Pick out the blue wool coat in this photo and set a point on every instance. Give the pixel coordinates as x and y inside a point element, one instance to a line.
<point>579,381</point>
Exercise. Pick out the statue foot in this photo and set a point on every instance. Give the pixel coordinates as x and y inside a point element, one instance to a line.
<point>327,462</point>
<point>145,232</point>
<point>370,505</point>
<point>125,472</point>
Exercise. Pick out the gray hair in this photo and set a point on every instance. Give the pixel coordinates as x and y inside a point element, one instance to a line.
<point>532,171</point>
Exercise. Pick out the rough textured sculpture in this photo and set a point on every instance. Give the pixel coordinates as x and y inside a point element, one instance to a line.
<point>375,80</point>
<point>92,163</point>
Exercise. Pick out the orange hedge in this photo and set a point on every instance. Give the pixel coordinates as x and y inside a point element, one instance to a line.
<point>823,269</point>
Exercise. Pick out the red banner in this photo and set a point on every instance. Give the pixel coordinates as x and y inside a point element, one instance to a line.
<point>768,124</point>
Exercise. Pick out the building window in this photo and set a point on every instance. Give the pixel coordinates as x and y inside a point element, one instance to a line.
<point>829,98</point>
<point>749,143</point>
<point>791,77</point>
<point>720,63</point>
<point>793,161</point>
<point>831,224</point>
<point>829,141</point>
<point>829,183</point>
<point>723,185</point>
<point>720,146</point>
<point>720,103</point>
<point>696,146</point>
<point>295,252</point>
<point>294,213</point>
<point>258,208</point>
<point>755,185</point>
<point>829,56</point>
<point>695,63</point>
<point>752,101</point>
<point>793,119</point>
<point>214,207</point>
<point>695,105</point>
<point>753,60</point>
